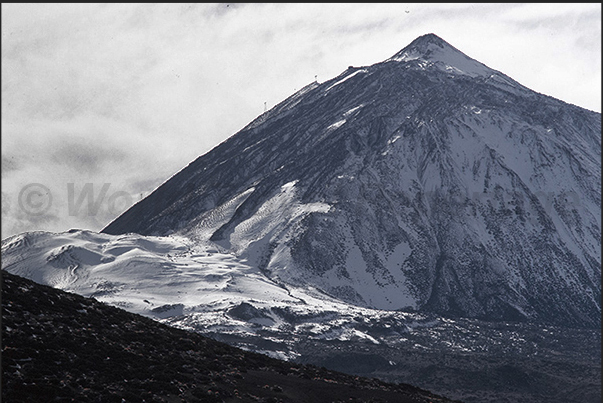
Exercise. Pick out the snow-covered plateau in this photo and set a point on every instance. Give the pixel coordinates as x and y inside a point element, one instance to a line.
<point>171,277</point>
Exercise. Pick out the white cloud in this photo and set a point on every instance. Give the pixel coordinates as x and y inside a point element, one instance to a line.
<point>150,87</point>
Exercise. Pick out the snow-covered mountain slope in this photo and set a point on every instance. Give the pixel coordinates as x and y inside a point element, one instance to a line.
<point>427,181</point>
<point>154,276</point>
<point>169,277</point>
<point>192,286</point>
<point>197,287</point>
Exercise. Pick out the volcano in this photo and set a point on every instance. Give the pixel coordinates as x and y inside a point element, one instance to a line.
<point>426,220</point>
<point>428,181</point>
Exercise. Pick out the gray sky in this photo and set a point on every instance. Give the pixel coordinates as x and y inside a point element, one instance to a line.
<point>110,100</point>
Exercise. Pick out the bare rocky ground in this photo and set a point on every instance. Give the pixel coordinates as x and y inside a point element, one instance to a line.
<point>471,360</point>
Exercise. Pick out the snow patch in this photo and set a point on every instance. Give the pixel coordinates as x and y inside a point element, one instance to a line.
<point>336,124</point>
<point>361,71</point>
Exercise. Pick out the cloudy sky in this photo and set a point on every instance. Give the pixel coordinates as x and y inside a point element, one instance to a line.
<point>101,103</point>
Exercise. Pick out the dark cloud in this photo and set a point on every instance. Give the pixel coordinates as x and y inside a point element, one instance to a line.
<point>85,157</point>
<point>9,164</point>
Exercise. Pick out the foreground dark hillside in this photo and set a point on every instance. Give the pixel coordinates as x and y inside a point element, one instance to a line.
<point>61,347</point>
